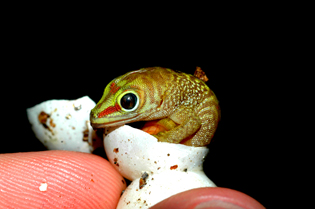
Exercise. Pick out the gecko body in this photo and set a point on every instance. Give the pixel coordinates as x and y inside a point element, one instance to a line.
<point>158,93</point>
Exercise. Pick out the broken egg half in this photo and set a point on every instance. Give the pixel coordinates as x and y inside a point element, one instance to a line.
<point>64,124</point>
<point>157,170</point>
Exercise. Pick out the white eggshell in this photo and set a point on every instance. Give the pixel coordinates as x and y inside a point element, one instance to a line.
<point>67,125</point>
<point>171,168</point>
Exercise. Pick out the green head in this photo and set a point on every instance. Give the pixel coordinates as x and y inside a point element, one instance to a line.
<point>126,99</point>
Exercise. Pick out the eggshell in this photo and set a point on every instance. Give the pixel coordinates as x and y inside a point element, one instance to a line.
<point>157,169</point>
<point>63,124</point>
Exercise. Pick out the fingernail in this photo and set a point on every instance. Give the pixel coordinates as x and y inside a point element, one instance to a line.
<point>218,205</point>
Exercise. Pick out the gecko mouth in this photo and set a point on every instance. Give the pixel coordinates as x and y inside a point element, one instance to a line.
<point>137,125</point>
<point>97,124</point>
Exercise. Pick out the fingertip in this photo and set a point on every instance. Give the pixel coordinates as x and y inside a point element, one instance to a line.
<point>210,197</point>
<point>58,178</point>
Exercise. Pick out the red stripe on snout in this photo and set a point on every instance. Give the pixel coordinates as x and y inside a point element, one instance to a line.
<point>109,110</point>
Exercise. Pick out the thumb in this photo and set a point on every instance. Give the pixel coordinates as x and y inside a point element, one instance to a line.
<point>210,197</point>
<point>55,179</point>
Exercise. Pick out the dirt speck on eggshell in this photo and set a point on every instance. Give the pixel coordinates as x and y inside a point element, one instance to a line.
<point>42,117</point>
<point>116,162</point>
<point>86,135</point>
<point>174,167</point>
<point>51,123</point>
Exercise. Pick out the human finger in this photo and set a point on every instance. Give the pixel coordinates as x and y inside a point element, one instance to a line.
<point>55,179</point>
<point>210,197</point>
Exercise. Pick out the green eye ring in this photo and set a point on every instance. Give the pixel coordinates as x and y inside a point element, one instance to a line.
<point>128,101</point>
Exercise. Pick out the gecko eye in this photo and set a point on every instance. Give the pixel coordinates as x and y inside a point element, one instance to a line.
<point>129,102</point>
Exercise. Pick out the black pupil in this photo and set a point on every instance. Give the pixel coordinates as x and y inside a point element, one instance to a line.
<point>128,101</point>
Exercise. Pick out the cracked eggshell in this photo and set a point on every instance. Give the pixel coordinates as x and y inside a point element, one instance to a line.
<point>157,170</point>
<point>63,124</point>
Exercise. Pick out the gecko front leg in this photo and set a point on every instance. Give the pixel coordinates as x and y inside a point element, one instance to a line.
<point>188,122</point>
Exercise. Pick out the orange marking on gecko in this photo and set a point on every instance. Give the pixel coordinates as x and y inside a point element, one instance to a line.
<point>152,127</point>
<point>114,88</point>
<point>109,110</point>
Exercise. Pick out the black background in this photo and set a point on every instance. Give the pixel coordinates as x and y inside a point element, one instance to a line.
<point>68,62</point>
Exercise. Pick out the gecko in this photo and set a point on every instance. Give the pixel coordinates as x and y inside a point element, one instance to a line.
<point>160,93</point>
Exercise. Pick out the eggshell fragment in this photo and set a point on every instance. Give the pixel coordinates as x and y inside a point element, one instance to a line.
<point>63,124</point>
<point>157,170</point>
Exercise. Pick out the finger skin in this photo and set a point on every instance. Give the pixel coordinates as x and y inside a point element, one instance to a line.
<point>73,179</point>
<point>190,199</point>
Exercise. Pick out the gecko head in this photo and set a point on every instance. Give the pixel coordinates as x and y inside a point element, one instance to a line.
<point>123,102</point>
